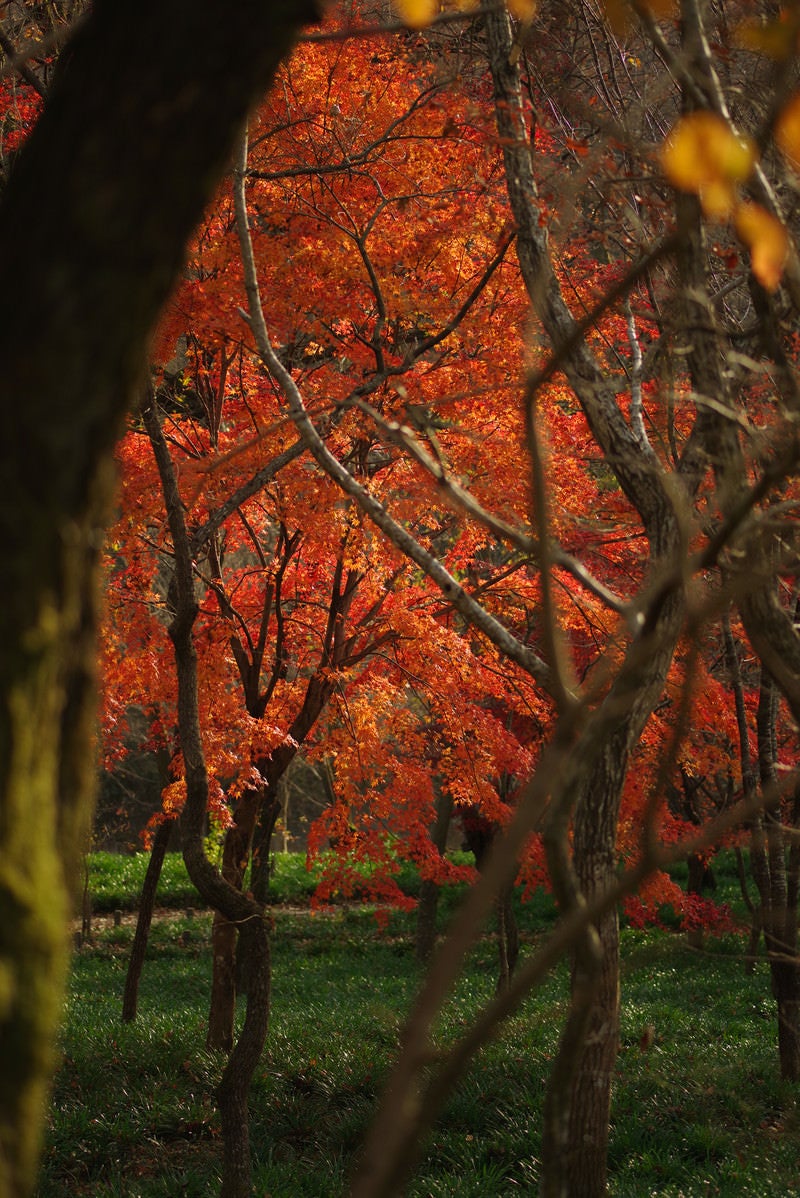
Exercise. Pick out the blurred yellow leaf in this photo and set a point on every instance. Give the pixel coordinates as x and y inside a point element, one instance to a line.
<point>787,130</point>
<point>417,14</point>
<point>767,240</point>
<point>776,39</point>
<point>718,199</point>
<point>523,10</point>
<point>702,154</point>
<point>703,151</point>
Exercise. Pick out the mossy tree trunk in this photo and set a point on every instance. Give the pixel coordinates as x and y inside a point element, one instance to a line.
<point>138,127</point>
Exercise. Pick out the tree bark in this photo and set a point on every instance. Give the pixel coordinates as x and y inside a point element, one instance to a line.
<point>575,1162</point>
<point>480,835</point>
<point>234,1088</point>
<point>425,937</point>
<point>89,250</point>
<point>147,902</point>
<point>770,870</point>
<point>237,907</point>
<point>595,861</point>
<point>224,932</point>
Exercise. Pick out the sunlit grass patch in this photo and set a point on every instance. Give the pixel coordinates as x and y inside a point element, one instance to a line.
<point>698,1105</point>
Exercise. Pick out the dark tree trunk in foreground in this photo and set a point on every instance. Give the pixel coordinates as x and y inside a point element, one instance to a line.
<point>139,125</point>
<point>144,919</point>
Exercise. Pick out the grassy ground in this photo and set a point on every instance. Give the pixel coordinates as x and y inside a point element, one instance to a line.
<point>699,1112</point>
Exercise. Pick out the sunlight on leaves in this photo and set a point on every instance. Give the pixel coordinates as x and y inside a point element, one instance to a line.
<point>718,198</point>
<point>767,241</point>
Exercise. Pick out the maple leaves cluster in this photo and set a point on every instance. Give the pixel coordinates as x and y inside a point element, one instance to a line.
<point>379,224</point>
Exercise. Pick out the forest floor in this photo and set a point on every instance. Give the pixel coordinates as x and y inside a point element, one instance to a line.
<point>699,1108</point>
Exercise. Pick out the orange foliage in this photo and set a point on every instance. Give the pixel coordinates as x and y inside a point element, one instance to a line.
<point>379,220</point>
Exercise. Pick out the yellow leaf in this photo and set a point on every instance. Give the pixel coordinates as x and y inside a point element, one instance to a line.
<point>703,150</point>
<point>718,199</point>
<point>767,240</point>
<point>523,10</point>
<point>787,130</point>
<point>776,39</point>
<point>417,14</point>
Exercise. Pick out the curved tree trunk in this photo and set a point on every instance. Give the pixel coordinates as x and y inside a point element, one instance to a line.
<point>144,919</point>
<point>238,908</point>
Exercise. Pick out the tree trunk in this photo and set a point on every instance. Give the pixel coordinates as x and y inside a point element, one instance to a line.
<point>429,890</point>
<point>224,932</point>
<point>144,919</point>
<point>46,798</point>
<point>238,908</point>
<point>786,989</point>
<point>697,873</point>
<point>777,885</point>
<point>590,1110</point>
<point>234,1088</point>
<point>481,834</point>
<point>262,846</point>
<point>507,936</point>
<point>595,863</point>
<point>144,92</point>
<point>581,1168</point>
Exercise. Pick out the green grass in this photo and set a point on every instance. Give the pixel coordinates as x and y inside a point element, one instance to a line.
<point>115,881</point>
<point>700,1112</point>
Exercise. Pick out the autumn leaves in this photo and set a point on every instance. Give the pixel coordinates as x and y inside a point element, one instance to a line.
<point>704,155</point>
